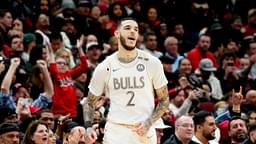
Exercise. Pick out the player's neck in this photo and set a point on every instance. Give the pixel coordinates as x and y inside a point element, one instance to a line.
<point>125,56</point>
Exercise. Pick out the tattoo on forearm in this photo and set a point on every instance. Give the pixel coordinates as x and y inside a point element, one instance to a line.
<point>161,108</point>
<point>89,107</point>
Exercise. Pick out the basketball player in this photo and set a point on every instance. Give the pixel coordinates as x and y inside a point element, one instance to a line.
<point>129,78</point>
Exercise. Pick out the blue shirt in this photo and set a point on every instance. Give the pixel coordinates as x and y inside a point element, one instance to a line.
<point>7,100</point>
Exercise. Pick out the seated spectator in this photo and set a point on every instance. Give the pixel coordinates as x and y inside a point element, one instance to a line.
<point>180,103</point>
<point>205,128</point>
<point>251,133</point>
<point>8,115</point>
<point>9,133</point>
<point>237,130</point>
<point>201,51</point>
<point>160,126</point>
<point>184,131</point>
<point>36,133</point>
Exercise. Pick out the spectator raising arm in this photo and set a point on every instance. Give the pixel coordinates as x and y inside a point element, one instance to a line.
<point>7,81</point>
<point>48,85</point>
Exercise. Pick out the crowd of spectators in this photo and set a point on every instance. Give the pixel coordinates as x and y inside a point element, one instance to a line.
<point>50,48</point>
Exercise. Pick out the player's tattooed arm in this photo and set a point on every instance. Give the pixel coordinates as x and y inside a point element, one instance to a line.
<point>162,107</point>
<point>89,108</point>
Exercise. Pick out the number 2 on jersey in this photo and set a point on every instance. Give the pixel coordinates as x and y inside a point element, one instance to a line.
<point>130,102</point>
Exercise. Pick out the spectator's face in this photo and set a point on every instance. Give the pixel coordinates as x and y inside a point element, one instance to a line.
<point>252,19</point>
<point>179,30</point>
<point>78,133</point>
<point>43,22</point>
<point>232,46</point>
<point>179,99</point>
<point>17,25</point>
<point>83,10</point>
<point>185,66</point>
<point>185,129</point>
<point>52,138</point>
<point>127,34</point>
<point>94,54</point>
<point>163,30</point>
<point>62,65</point>
<point>41,135</point>
<point>44,54</point>
<point>167,67</point>
<point>251,97</point>
<point>10,138</point>
<point>48,119</point>
<point>7,20</point>
<point>117,11</point>
<point>152,14</point>
<point>151,42</point>
<point>56,44</point>
<point>17,44</point>
<point>252,48</point>
<point>204,43</point>
<point>69,28</point>
<point>237,24</point>
<point>21,93</point>
<point>44,6</point>
<point>252,118</point>
<point>228,61</point>
<point>95,12</point>
<point>208,128</point>
<point>172,46</point>
<point>244,63</point>
<point>96,117</point>
<point>238,130</point>
<point>13,118</point>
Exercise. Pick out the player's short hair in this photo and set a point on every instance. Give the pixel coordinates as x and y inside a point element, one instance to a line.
<point>124,19</point>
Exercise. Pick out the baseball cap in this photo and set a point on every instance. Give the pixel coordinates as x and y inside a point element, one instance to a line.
<point>8,127</point>
<point>5,112</point>
<point>159,124</point>
<point>28,38</point>
<point>206,65</point>
<point>90,45</point>
<point>68,4</point>
<point>86,3</point>
<point>252,12</point>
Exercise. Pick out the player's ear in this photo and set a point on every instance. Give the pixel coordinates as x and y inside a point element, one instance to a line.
<point>117,33</point>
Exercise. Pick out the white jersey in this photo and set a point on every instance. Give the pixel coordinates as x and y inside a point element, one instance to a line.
<point>130,87</point>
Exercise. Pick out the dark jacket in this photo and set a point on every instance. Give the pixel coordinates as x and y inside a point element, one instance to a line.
<point>248,141</point>
<point>174,140</point>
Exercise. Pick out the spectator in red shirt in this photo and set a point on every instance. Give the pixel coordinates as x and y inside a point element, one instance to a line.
<point>64,98</point>
<point>201,51</point>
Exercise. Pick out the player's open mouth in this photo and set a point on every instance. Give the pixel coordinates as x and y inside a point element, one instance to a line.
<point>131,38</point>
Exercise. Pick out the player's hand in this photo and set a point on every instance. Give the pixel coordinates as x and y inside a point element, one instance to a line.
<point>15,61</point>
<point>141,129</point>
<point>91,135</point>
